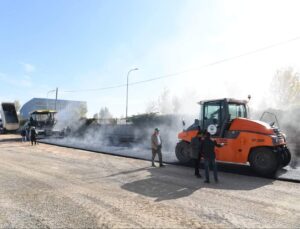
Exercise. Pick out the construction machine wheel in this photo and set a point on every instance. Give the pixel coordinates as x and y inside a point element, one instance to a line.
<point>264,161</point>
<point>286,157</point>
<point>182,152</point>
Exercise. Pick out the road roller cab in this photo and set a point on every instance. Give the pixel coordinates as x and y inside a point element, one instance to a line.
<point>261,144</point>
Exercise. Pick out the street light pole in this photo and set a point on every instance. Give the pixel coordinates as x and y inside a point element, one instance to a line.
<point>56,98</point>
<point>47,97</point>
<point>134,69</point>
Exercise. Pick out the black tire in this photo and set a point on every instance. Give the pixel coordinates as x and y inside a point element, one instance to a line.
<point>264,161</point>
<point>286,157</point>
<point>182,152</point>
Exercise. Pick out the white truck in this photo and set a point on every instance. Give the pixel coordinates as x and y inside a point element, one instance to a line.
<point>9,117</point>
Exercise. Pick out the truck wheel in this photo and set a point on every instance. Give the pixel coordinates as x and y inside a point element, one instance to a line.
<point>182,152</point>
<point>286,155</point>
<point>263,161</point>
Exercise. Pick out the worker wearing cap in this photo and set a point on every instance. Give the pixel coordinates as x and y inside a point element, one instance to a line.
<point>156,144</point>
<point>209,156</point>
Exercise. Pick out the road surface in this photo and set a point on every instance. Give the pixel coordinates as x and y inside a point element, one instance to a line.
<point>49,187</point>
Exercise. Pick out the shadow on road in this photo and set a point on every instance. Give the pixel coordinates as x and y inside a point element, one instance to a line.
<point>11,139</point>
<point>171,182</point>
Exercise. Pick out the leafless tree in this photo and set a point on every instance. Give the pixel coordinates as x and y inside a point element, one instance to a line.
<point>104,113</point>
<point>285,88</point>
<point>17,105</point>
<point>165,104</point>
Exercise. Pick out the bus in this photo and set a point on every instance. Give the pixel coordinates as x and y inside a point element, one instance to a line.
<point>9,117</point>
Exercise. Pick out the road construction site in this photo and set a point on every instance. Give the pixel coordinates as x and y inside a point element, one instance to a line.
<point>140,151</point>
<point>51,186</point>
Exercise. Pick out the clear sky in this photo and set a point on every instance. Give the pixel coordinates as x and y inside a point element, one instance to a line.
<point>76,44</point>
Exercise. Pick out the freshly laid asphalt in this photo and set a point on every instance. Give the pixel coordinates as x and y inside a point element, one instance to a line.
<point>143,152</point>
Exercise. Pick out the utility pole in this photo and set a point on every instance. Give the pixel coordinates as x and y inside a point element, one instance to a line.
<point>56,98</point>
<point>134,69</point>
<point>47,98</point>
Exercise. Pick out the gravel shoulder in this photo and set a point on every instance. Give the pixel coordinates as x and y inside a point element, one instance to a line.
<point>49,187</point>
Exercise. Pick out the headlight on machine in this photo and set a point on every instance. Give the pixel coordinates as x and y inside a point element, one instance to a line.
<point>278,140</point>
<point>275,140</point>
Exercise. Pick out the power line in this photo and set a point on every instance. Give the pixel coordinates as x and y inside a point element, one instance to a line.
<point>98,89</point>
<point>192,69</point>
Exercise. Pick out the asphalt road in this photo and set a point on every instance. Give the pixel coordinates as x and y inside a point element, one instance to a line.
<point>139,151</point>
<point>52,187</point>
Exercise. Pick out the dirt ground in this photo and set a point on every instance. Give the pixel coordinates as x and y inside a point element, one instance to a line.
<point>49,187</point>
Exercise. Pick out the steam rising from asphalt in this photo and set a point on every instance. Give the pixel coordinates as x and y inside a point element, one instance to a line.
<point>69,117</point>
<point>134,139</point>
<point>127,140</point>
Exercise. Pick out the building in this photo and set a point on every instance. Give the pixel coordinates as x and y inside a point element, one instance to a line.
<point>49,104</point>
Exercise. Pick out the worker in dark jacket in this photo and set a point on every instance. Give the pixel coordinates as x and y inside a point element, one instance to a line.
<point>210,156</point>
<point>196,145</point>
<point>23,134</point>
<point>33,135</point>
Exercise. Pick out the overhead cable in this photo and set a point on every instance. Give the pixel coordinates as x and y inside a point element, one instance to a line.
<point>191,69</point>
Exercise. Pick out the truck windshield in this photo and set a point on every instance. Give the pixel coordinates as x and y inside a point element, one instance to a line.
<point>237,110</point>
<point>43,117</point>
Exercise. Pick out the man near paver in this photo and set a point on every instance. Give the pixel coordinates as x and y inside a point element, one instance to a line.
<point>196,145</point>
<point>156,145</point>
<point>33,135</point>
<point>23,135</point>
<point>210,156</point>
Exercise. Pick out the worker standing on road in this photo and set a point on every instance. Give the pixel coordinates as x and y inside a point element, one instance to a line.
<point>27,133</point>
<point>210,156</point>
<point>33,135</point>
<point>156,145</point>
<point>196,145</point>
<point>23,135</point>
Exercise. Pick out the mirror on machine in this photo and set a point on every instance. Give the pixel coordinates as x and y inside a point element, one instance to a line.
<point>270,118</point>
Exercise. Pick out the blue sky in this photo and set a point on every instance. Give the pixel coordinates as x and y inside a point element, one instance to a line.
<point>73,45</point>
<point>69,38</point>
